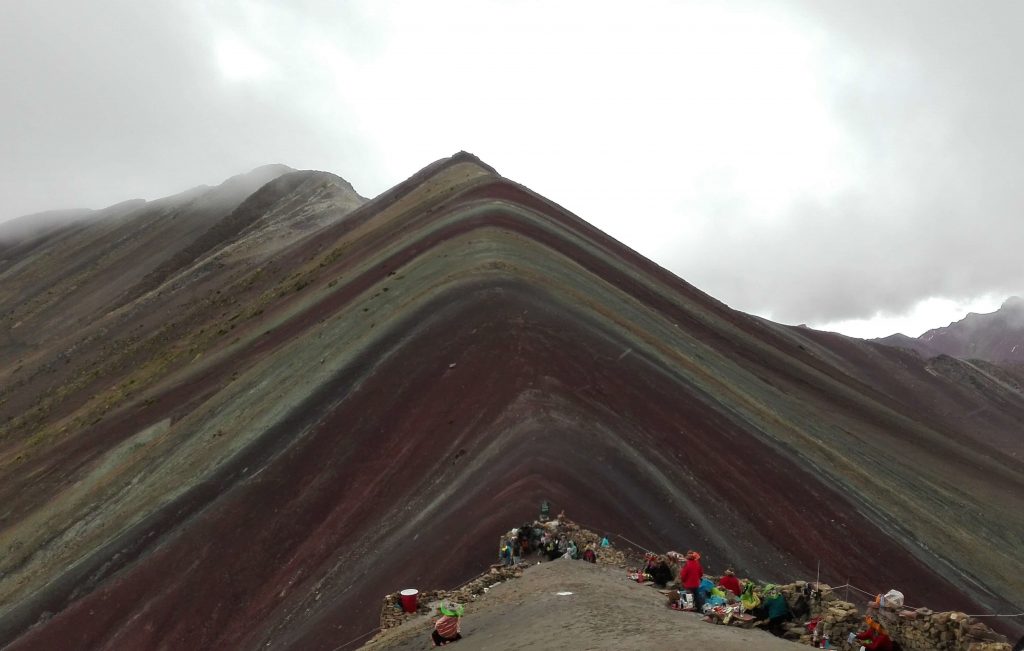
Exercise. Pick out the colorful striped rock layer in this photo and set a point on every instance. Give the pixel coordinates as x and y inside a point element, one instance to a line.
<point>237,417</point>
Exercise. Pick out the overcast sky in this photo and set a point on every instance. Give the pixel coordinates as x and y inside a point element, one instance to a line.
<point>849,165</point>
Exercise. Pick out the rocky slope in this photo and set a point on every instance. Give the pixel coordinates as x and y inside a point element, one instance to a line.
<point>238,423</point>
<point>996,337</point>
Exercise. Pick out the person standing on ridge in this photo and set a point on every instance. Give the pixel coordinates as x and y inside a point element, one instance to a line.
<point>690,576</point>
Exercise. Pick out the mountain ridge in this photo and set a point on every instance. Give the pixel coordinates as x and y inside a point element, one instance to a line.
<point>994,337</point>
<point>233,447</point>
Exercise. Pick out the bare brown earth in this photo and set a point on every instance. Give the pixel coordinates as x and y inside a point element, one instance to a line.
<point>604,611</point>
<point>226,435</point>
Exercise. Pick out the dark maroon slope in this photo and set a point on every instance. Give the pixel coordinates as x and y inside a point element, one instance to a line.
<point>363,407</point>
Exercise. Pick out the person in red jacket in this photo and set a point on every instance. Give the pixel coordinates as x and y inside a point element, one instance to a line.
<point>690,576</point>
<point>875,640</point>
<point>730,582</point>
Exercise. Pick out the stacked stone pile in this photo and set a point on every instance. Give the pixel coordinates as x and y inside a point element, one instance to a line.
<point>605,555</point>
<point>917,629</point>
<point>914,629</point>
<point>836,618</point>
<point>391,613</point>
<point>923,630</point>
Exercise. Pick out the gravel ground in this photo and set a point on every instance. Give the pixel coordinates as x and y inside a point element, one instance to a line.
<point>604,611</point>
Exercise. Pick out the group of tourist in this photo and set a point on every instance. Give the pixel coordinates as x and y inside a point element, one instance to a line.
<point>768,605</point>
<point>693,588</point>
<point>541,540</point>
<point>532,538</point>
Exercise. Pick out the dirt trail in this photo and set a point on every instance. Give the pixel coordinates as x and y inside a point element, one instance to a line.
<point>604,611</point>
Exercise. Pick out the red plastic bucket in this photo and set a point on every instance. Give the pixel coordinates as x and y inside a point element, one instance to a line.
<point>409,600</point>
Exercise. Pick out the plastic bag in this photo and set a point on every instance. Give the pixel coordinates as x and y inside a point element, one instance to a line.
<point>894,598</point>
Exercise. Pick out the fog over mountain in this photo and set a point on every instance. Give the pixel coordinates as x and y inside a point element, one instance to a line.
<point>996,337</point>
<point>848,166</point>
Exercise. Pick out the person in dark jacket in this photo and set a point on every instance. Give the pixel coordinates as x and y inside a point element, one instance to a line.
<point>690,576</point>
<point>551,549</point>
<point>660,573</point>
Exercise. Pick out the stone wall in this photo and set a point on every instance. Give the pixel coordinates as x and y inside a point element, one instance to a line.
<point>837,618</point>
<point>923,630</point>
<point>391,613</point>
<point>913,629</point>
<point>917,629</point>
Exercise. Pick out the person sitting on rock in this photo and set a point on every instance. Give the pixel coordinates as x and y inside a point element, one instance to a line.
<point>652,562</point>
<point>660,573</point>
<point>731,583</point>
<point>589,555</point>
<point>448,626</point>
<point>551,549</point>
<point>875,640</point>
<point>571,551</point>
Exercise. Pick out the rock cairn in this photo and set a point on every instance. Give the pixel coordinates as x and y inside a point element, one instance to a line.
<point>391,613</point>
<point>612,556</point>
<point>915,629</point>
<point>921,629</point>
<point>837,618</point>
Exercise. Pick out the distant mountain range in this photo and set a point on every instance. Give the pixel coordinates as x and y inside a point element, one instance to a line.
<point>996,337</point>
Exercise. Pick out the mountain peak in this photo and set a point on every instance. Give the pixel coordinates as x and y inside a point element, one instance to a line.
<point>277,389</point>
<point>257,177</point>
<point>994,336</point>
<point>1012,303</point>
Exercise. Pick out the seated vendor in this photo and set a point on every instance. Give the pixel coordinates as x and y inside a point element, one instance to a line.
<point>875,640</point>
<point>661,573</point>
<point>730,582</point>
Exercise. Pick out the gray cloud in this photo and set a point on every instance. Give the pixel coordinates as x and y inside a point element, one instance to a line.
<point>808,161</point>
<point>120,99</point>
<point>931,94</point>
